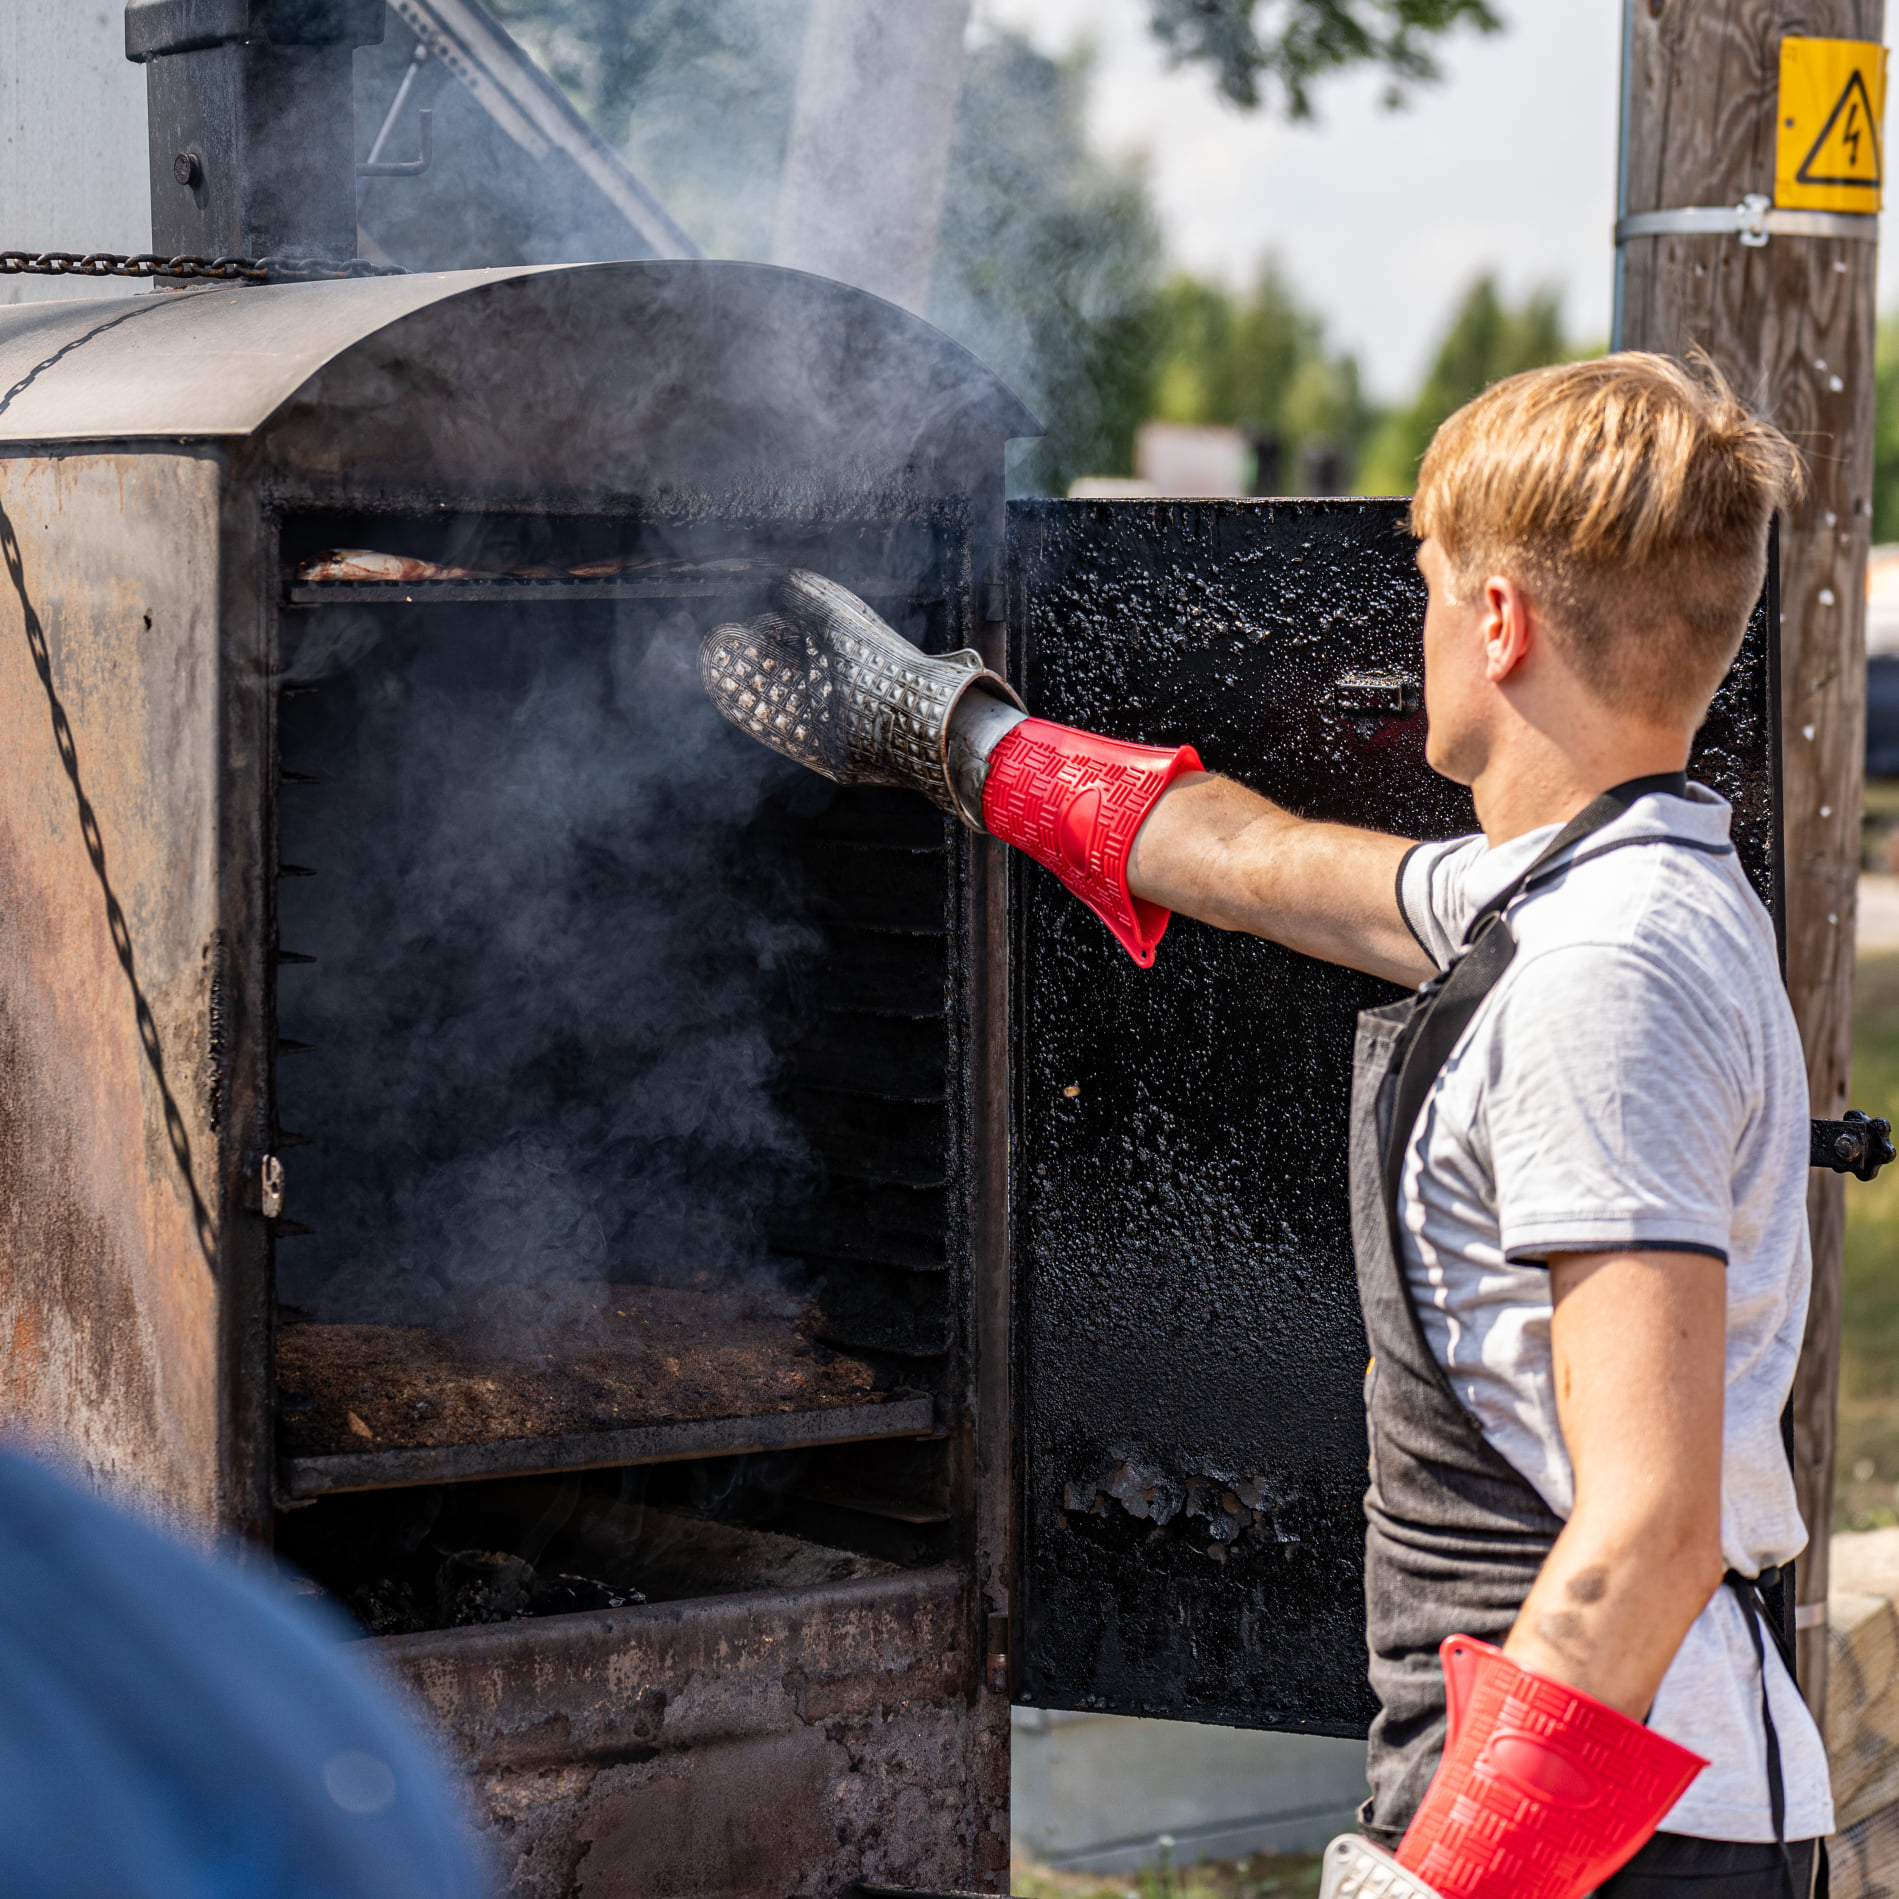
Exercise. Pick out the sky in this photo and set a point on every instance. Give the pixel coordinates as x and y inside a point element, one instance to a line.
<point>1383,218</point>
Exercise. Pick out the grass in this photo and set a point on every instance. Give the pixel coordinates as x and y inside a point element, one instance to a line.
<point>1866,1490</point>
<point>1259,1876</point>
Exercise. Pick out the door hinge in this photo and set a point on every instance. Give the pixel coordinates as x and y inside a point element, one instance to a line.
<point>996,1667</point>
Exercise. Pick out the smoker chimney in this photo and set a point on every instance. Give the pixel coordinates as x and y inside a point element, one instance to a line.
<point>253,140</point>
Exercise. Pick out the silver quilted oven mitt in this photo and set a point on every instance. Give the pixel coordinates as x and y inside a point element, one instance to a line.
<point>1356,1869</point>
<point>826,682</point>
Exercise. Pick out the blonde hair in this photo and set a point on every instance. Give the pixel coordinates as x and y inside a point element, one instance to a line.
<point>1630,498</point>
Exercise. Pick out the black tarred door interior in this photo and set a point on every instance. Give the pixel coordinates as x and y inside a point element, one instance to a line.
<point>1188,1348</point>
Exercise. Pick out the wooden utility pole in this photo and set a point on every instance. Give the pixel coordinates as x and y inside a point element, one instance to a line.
<point>1790,322</point>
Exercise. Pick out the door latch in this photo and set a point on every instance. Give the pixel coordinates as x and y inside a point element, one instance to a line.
<point>1860,1145</point>
<point>1387,695</point>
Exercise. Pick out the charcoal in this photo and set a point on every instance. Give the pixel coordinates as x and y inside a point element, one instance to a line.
<point>385,1605</point>
<point>474,1586</point>
<point>570,1595</point>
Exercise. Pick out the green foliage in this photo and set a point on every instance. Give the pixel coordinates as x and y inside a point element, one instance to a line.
<point>1487,340</point>
<point>1258,1876</point>
<point>1259,361</point>
<point>1290,43</point>
<point>1049,261</point>
<point>1886,432</point>
<point>1867,1458</point>
<point>696,93</point>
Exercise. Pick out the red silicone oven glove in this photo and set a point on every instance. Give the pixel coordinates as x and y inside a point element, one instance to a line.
<point>1543,1790</point>
<point>1073,801</point>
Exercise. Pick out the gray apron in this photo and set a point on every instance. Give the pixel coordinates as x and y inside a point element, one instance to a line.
<point>1454,1534</point>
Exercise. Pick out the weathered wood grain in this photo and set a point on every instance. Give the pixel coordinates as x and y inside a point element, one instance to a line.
<point>1792,325</point>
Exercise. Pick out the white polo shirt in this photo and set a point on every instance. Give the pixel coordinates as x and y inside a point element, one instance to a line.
<point>1635,1079</point>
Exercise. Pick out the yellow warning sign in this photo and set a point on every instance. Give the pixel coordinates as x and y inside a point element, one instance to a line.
<point>1828,153</point>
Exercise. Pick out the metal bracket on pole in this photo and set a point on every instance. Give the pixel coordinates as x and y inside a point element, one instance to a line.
<point>1754,220</point>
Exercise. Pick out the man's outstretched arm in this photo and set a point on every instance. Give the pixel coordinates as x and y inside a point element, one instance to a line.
<point>1135,831</point>
<point>1214,850</point>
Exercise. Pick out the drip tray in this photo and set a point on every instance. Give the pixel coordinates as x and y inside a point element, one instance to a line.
<point>566,1377</point>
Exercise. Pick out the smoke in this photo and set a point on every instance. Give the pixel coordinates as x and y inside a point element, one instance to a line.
<point>696,93</point>
<point>545,960</point>
<point>1050,262</point>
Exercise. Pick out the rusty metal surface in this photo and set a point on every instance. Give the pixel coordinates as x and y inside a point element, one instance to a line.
<point>138,987</point>
<point>115,1143</point>
<point>1190,1352</point>
<point>718,1749</point>
<point>504,366</point>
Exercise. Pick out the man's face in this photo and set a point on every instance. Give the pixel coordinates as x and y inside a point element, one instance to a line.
<point>1457,694</point>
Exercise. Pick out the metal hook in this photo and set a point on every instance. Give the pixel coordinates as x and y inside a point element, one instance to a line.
<point>405,168</point>
<point>374,166</point>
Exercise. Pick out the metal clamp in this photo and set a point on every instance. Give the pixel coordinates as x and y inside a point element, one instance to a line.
<point>1860,1145</point>
<point>1754,220</point>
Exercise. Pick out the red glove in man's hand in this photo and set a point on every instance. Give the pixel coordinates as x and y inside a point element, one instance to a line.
<point>1073,801</point>
<point>1543,1791</point>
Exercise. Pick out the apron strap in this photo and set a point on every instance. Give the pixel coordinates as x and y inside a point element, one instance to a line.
<point>1449,1000</point>
<point>1746,1590</point>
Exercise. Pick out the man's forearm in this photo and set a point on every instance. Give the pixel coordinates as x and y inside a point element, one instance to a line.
<point>1214,850</point>
<point>1612,1603</point>
<point>1637,1348</point>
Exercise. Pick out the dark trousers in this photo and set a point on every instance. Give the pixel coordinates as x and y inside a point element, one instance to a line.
<point>1676,1866</point>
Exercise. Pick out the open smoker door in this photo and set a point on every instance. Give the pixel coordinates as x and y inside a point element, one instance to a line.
<point>1189,1354</point>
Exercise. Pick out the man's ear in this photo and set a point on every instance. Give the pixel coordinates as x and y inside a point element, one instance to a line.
<point>1507,633</point>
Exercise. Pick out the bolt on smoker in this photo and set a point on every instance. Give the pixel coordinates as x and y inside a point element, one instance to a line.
<point>727,1289</point>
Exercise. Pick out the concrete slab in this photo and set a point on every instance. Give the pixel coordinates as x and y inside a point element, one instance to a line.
<point>1099,1793</point>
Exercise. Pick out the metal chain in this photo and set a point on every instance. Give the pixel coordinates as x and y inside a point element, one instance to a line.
<point>253,270</point>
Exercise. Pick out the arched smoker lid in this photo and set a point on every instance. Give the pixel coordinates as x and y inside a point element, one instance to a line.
<point>572,373</point>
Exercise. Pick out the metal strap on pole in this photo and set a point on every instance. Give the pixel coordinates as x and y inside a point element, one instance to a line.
<point>1754,220</point>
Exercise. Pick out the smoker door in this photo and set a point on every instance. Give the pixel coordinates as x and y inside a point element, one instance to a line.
<point>1188,1346</point>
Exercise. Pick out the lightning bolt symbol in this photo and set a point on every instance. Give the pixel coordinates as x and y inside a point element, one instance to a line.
<point>1850,136</point>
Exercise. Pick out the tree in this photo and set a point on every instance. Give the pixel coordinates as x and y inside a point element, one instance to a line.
<point>696,93</point>
<point>1049,262</point>
<point>1259,361</point>
<point>1290,43</point>
<point>1487,340</point>
<point>1886,433</point>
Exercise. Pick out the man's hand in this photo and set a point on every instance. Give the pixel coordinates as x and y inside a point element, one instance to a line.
<point>1216,851</point>
<point>1638,1345</point>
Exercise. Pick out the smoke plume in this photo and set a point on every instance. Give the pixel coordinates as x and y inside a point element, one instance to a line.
<point>544,960</point>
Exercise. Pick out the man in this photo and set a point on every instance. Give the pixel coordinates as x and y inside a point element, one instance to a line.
<point>1579,1158</point>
